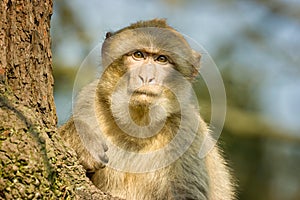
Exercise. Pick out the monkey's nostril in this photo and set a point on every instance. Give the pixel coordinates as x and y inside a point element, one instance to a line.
<point>151,80</point>
<point>142,79</point>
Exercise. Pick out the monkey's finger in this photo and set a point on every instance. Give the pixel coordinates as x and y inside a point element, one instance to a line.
<point>105,147</point>
<point>104,158</point>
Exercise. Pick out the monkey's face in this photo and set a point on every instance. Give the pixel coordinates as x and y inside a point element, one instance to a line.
<point>147,73</point>
<point>147,90</point>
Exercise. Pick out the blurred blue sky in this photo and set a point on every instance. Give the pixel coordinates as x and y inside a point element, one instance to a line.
<point>213,24</point>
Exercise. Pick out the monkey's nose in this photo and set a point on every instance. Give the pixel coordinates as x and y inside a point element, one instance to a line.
<point>147,79</point>
<point>146,74</point>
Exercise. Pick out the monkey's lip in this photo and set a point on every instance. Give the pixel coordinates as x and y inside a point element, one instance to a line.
<point>146,91</point>
<point>151,94</point>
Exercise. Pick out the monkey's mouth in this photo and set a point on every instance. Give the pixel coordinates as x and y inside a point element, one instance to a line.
<point>149,91</point>
<point>145,96</point>
<point>146,92</point>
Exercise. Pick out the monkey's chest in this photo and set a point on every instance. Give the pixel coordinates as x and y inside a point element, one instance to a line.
<point>151,185</point>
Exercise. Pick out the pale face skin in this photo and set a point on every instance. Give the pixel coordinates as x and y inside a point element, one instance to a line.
<point>147,74</point>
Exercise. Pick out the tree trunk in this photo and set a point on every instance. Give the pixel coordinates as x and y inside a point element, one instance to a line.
<point>34,162</point>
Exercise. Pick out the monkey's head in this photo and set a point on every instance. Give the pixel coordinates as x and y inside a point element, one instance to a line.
<point>148,69</point>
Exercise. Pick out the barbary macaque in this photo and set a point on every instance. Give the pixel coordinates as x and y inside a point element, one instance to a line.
<point>136,130</point>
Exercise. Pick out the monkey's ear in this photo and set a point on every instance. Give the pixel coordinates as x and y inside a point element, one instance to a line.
<point>196,63</point>
<point>108,35</point>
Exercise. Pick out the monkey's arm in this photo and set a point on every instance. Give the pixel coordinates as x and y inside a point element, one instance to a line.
<point>221,184</point>
<point>91,156</point>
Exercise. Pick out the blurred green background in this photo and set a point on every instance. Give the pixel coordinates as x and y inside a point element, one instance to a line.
<point>256,46</point>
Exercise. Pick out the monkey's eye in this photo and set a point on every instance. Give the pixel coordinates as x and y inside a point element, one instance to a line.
<point>138,55</point>
<point>162,59</point>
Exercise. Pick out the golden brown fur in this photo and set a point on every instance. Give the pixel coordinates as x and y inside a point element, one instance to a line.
<point>187,177</point>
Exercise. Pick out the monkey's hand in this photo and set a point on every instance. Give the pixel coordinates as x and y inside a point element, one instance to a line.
<point>87,142</point>
<point>93,157</point>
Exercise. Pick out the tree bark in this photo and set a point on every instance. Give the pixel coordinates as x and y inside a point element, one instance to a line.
<point>34,162</point>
